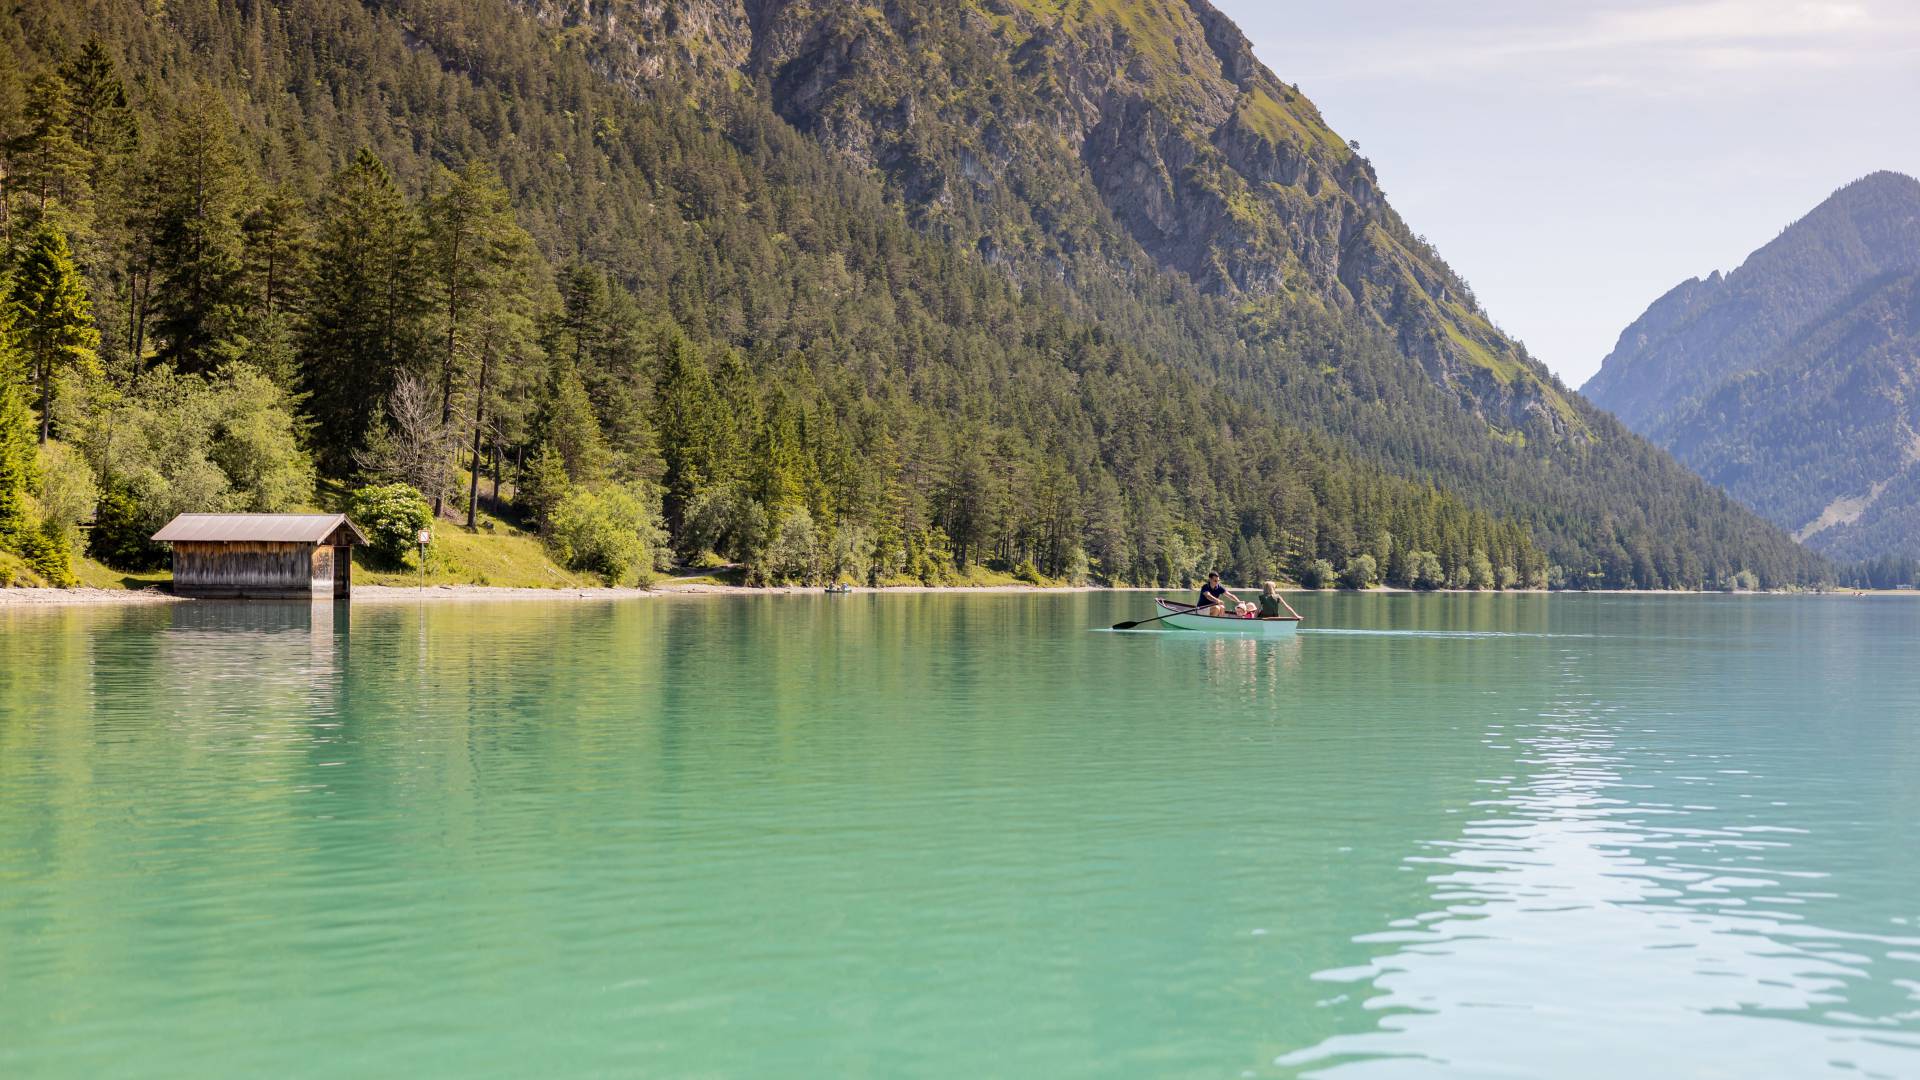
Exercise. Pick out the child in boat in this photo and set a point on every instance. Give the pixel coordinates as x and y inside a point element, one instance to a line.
<point>1269,601</point>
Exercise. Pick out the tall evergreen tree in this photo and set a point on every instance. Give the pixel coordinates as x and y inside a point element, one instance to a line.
<point>102,123</point>
<point>474,253</point>
<point>482,264</point>
<point>200,191</point>
<point>363,324</point>
<point>53,317</point>
<point>18,471</point>
<point>276,236</point>
<point>47,168</point>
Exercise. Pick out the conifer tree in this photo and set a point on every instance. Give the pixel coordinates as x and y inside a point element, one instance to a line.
<point>473,248</point>
<point>48,169</point>
<point>569,428</point>
<point>690,426</point>
<point>200,197</point>
<point>53,317</point>
<point>102,123</point>
<point>364,307</point>
<point>18,455</point>
<point>276,236</point>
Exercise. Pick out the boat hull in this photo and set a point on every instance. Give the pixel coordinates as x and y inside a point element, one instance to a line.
<point>1185,619</point>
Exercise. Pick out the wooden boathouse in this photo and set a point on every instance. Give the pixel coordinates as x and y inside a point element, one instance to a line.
<point>262,556</point>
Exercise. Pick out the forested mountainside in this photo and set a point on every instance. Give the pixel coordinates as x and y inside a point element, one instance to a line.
<point>1791,382</point>
<point>738,274</point>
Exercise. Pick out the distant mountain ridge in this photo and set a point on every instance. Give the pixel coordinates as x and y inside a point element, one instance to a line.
<point>1791,382</point>
<point>1708,330</point>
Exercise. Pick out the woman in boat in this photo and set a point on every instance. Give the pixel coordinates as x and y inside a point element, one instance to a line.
<point>1214,596</point>
<point>1269,601</point>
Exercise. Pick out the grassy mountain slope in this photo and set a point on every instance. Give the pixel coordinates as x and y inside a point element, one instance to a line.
<point>1063,275</point>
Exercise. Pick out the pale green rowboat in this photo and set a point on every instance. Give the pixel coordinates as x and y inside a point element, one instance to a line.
<point>1187,617</point>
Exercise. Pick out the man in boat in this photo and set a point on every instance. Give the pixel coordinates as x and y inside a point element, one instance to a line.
<point>1214,596</point>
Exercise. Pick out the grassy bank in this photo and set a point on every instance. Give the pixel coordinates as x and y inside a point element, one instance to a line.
<point>495,554</point>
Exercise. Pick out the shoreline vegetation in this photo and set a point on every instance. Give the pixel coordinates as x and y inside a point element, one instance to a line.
<point>443,592</point>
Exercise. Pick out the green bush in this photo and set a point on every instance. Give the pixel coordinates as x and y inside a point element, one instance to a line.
<point>614,533</point>
<point>1425,571</point>
<point>1361,572</point>
<point>46,550</point>
<point>120,534</point>
<point>1480,572</point>
<point>792,556</point>
<point>1316,574</point>
<point>392,516</point>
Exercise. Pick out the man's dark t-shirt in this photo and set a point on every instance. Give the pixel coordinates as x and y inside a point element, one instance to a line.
<point>1211,593</point>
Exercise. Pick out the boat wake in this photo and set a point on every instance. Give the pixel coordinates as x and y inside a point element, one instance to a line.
<point>1334,632</point>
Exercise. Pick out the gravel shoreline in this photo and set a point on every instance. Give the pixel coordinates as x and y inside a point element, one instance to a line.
<point>397,594</point>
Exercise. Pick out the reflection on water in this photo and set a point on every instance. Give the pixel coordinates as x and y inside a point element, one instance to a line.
<point>1670,908</point>
<point>934,835</point>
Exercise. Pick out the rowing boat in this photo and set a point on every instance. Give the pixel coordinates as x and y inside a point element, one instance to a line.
<point>1187,617</point>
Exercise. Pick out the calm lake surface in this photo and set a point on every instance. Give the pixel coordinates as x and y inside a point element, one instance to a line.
<point>1568,836</point>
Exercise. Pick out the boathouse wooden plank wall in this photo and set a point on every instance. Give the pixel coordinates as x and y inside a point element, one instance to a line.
<point>264,556</point>
<point>258,568</point>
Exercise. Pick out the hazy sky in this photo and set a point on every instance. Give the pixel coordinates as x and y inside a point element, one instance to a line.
<point>1574,160</point>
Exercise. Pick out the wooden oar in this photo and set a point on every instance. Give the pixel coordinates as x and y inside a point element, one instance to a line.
<point>1156,618</point>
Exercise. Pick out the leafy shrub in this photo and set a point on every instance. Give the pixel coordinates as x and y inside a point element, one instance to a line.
<point>68,495</point>
<point>614,533</point>
<point>1361,572</point>
<point>791,557</point>
<point>1480,571</point>
<point>1425,571</point>
<point>850,554</point>
<point>1316,574</point>
<point>392,516</point>
<point>121,531</point>
<point>181,444</point>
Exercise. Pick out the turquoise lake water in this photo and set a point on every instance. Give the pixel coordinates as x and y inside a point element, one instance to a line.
<point>1462,836</point>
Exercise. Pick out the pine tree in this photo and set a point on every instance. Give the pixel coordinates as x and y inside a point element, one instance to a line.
<point>481,263</point>
<point>47,168</point>
<point>569,428</point>
<point>53,317</point>
<point>690,426</point>
<point>473,245</point>
<point>102,123</point>
<point>364,307</point>
<point>200,197</point>
<point>276,235</point>
<point>18,455</point>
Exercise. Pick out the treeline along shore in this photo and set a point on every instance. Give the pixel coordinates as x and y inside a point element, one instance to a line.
<point>440,274</point>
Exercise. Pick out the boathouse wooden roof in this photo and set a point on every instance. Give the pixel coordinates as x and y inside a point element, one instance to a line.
<point>333,529</point>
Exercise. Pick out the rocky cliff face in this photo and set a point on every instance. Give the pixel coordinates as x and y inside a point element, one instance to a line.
<point>1794,382</point>
<point>1089,138</point>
